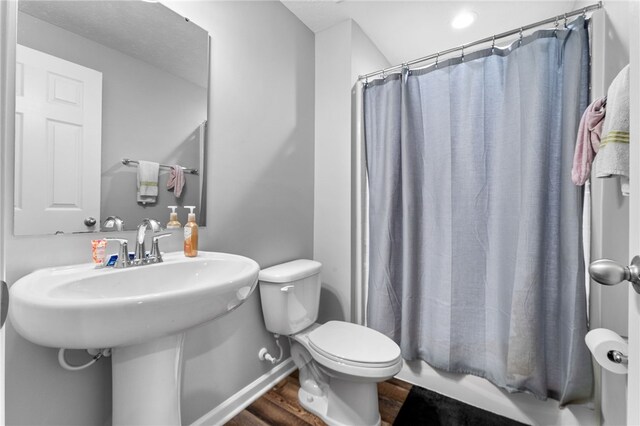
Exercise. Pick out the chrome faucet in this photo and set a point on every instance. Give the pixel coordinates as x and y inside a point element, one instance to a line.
<point>140,254</point>
<point>112,223</point>
<point>140,257</point>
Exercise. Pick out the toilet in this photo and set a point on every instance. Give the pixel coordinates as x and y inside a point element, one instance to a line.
<point>339,363</point>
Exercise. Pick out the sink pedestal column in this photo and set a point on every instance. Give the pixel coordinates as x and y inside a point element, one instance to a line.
<point>146,382</point>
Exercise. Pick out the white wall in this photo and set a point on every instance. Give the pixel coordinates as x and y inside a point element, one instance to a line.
<point>260,193</point>
<point>365,56</point>
<point>342,53</point>
<point>148,114</point>
<point>332,231</point>
<point>261,180</point>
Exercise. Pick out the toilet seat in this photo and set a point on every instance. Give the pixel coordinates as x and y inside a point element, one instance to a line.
<point>353,344</point>
<point>353,349</point>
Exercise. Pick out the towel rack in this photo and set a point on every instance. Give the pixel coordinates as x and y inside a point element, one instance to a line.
<point>127,162</point>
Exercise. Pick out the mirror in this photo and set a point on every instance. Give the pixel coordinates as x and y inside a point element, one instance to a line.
<point>99,83</point>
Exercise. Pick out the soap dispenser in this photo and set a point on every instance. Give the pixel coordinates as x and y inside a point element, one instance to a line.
<point>191,234</point>
<point>173,219</point>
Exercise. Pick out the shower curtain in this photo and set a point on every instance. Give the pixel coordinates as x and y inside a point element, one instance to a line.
<point>475,258</point>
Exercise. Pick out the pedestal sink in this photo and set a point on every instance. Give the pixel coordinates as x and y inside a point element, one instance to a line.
<point>140,312</point>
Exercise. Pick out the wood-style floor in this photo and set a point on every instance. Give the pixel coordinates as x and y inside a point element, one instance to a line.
<point>280,405</point>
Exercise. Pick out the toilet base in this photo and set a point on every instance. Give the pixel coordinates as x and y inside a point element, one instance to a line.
<point>347,403</point>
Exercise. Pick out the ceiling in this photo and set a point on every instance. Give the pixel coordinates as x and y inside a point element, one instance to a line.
<point>144,30</point>
<point>405,30</point>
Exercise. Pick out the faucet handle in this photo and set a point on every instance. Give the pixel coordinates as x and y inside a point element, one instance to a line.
<point>155,248</point>
<point>154,224</point>
<point>123,252</point>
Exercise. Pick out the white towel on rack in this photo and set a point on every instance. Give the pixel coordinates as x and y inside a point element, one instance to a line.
<point>148,182</point>
<point>613,155</point>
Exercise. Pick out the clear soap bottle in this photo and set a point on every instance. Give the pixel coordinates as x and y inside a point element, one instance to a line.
<point>191,234</point>
<point>173,219</point>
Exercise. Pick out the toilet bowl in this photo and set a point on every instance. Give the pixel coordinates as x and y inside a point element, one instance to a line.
<point>339,363</point>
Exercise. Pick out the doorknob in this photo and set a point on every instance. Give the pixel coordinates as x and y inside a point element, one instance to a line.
<point>608,272</point>
<point>90,221</point>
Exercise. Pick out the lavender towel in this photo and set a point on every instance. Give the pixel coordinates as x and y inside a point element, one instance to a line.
<point>588,141</point>
<point>176,180</point>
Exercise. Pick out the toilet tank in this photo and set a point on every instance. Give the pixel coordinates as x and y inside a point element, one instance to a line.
<point>290,295</point>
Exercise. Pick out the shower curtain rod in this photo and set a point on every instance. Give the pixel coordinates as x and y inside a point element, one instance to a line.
<point>492,39</point>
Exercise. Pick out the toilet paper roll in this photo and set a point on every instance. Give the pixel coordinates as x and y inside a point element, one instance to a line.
<point>600,341</point>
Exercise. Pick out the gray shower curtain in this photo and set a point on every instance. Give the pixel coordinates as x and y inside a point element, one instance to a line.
<point>475,258</point>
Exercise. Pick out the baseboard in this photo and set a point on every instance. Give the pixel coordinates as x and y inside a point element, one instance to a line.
<point>243,398</point>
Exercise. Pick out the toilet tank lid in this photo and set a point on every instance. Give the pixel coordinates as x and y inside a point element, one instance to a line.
<point>290,271</point>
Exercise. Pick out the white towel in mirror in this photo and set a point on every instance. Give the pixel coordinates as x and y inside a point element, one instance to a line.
<point>148,182</point>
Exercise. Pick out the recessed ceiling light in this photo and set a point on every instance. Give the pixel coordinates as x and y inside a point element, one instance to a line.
<point>463,19</point>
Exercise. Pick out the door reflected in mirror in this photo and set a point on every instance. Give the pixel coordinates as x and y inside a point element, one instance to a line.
<point>98,82</point>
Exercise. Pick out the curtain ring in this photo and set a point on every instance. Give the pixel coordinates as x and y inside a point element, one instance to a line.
<point>493,42</point>
<point>405,66</point>
<point>584,13</point>
<point>520,37</point>
<point>437,58</point>
<point>555,27</point>
<point>383,75</point>
<point>565,20</point>
<point>462,56</point>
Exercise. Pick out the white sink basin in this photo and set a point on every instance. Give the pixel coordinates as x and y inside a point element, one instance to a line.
<point>140,312</point>
<point>79,307</point>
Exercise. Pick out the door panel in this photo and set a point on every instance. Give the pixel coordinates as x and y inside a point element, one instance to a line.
<point>633,381</point>
<point>58,140</point>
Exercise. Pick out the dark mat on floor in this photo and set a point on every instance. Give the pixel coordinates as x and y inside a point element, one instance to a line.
<point>424,407</point>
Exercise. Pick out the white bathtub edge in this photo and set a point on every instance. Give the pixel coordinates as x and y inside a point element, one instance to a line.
<point>481,393</point>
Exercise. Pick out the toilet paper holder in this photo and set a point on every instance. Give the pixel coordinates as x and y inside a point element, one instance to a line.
<point>617,357</point>
<point>609,349</point>
<point>608,272</point>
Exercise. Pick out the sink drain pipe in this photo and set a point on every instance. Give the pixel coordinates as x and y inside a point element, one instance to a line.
<point>264,355</point>
<point>97,354</point>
